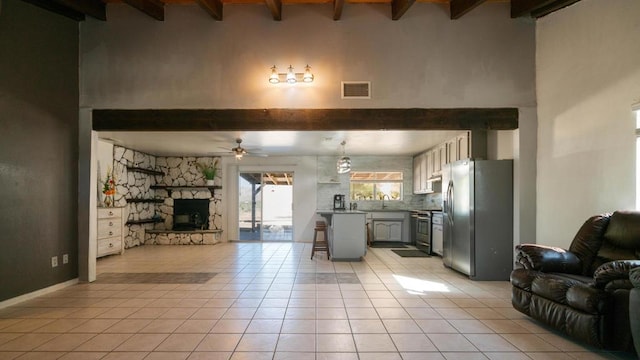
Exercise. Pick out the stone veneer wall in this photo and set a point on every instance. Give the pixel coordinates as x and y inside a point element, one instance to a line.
<point>132,184</point>
<point>179,171</point>
<point>182,171</point>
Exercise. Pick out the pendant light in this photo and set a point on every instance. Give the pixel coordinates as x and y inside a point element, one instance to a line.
<point>344,163</point>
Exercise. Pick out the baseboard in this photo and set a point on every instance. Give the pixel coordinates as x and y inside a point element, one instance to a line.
<point>35,294</point>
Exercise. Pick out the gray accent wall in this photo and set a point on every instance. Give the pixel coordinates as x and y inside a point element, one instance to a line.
<point>38,148</point>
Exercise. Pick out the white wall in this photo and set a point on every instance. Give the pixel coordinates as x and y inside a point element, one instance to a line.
<point>485,59</point>
<point>588,76</point>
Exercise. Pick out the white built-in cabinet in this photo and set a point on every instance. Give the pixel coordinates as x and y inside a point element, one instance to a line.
<point>429,164</point>
<point>110,231</point>
<point>387,230</point>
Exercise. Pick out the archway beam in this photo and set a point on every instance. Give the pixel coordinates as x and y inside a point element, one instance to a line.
<point>304,119</point>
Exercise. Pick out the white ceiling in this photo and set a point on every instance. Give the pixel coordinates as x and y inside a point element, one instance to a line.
<point>280,143</point>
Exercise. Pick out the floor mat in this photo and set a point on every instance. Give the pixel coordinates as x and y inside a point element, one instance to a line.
<point>154,278</point>
<point>411,253</point>
<point>387,244</point>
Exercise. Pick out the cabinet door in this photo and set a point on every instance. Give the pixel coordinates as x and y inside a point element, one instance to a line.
<point>428,161</point>
<point>442,157</point>
<point>416,174</point>
<point>423,172</point>
<point>462,145</point>
<point>387,230</point>
<point>452,151</point>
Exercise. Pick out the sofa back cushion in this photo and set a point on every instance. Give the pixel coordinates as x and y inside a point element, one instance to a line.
<point>588,241</point>
<point>621,238</point>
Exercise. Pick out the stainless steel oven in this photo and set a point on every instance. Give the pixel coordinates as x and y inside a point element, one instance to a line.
<point>423,232</point>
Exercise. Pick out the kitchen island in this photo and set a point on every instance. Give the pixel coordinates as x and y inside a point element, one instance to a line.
<point>347,234</point>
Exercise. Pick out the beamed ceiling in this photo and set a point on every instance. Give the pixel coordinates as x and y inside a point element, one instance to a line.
<point>80,9</point>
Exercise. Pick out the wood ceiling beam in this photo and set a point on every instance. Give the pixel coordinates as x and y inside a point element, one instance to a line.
<point>399,7</point>
<point>337,9</point>
<point>56,8</point>
<point>457,8</point>
<point>305,119</point>
<point>537,8</point>
<point>94,8</point>
<point>275,6</point>
<point>213,7</point>
<point>557,5</point>
<point>153,8</point>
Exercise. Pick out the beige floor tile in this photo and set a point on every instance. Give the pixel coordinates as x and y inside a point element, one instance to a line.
<point>231,326</point>
<point>196,326</point>
<point>333,327</point>
<point>142,342</point>
<point>209,313</point>
<point>373,343</point>
<point>362,313</point>
<point>65,342</point>
<point>395,326</point>
<point>470,327</point>
<point>294,356</point>
<point>219,342</point>
<point>490,342</point>
<point>506,355</point>
<point>370,326</point>
<point>128,326</point>
<point>339,343</point>
<point>422,356</point>
<point>270,313</point>
<point>26,342</point>
<point>451,343</point>
<point>79,355</point>
<point>380,356</point>
<point>94,326</point>
<point>258,342</point>
<point>167,356</point>
<point>125,356</point>
<point>252,355</point>
<point>296,343</point>
<point>336,356</point>
<point>180,342</point>
<point>209,355</point>
<point>529,342</point>
<point>103,342</point>
<point>259,326</point>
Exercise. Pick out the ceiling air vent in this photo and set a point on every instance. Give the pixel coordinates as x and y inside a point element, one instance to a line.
<point>356,89</point>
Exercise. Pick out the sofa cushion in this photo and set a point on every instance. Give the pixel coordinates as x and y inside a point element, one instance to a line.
<point>588,241</point>
<point>554,286</point>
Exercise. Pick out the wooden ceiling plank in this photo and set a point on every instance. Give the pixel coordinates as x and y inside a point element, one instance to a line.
<point>399,7</point>
<point>337,9</point>
<point>94,8</point>
<point>275,6</point>
<point>555,6</point>
<point>213,7</point>
<point>305,119</point>
<point>525,7</point>
<point>457,8</point>
<point>57,9</point>
<point>153,8</point>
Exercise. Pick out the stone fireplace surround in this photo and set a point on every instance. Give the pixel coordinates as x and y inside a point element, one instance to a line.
<point>151,217</point>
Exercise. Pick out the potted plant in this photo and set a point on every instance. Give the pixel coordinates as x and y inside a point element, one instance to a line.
<point>209,171</point>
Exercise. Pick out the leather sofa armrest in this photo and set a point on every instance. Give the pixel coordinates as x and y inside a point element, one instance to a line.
<point>634,277</point>
<point>547,259</point>
<point>615,274</point>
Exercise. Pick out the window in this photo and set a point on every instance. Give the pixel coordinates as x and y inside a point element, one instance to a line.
<point>367,185</point>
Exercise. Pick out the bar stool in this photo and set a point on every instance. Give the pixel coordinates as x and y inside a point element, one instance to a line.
<point>322,245</point>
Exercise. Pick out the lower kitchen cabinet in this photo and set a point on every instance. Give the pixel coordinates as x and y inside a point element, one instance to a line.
<point>110,231</point>
<point>387,230</point>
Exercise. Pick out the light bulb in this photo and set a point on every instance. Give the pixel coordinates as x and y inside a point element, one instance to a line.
<point>291,75</point>
<point>274,78</point>
<point>308,76</point>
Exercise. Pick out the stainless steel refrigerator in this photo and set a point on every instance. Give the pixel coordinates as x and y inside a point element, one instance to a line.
<point>478,218</point>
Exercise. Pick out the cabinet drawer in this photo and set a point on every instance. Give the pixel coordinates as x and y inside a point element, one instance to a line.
<point>109,246</point>
<point>109,227</point>
<point>109,213</point>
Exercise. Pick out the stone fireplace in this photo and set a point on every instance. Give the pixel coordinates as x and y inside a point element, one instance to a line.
<point>190,214</point>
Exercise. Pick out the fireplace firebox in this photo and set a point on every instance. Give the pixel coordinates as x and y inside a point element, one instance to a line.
<point>190,214</point>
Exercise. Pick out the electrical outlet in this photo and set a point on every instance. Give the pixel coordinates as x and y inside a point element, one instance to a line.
<point>54,261</point>
<point>65,259</point>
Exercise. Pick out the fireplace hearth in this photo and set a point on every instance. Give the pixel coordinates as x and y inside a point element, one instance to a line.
<point>190,214</point>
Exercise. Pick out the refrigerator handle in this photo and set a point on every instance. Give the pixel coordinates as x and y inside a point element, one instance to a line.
<point>450,202</point>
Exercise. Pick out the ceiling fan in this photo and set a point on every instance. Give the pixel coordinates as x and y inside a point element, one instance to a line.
<point>238,151</point>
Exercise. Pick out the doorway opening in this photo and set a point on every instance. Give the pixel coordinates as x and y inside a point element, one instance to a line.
<point>265,206</point>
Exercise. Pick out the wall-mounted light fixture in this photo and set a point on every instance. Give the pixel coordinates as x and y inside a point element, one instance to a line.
<point>290,76</point>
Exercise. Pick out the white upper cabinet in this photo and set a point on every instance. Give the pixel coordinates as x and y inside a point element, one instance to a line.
<point>429,164</point>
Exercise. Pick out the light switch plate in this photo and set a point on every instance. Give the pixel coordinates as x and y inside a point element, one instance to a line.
<point>65,259</point>
<point>54,261</point>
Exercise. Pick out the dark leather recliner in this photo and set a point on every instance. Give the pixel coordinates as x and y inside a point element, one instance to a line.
<point>583,292</point>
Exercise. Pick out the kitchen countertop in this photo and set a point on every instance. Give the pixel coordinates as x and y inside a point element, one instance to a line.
<point>340,212</point>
